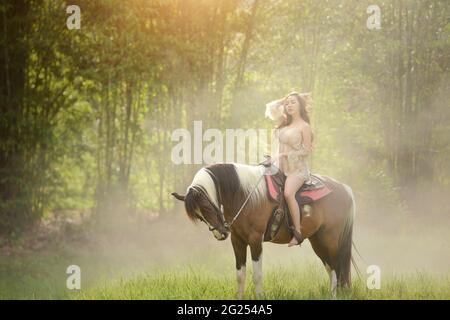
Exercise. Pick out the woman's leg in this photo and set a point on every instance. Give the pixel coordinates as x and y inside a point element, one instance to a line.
<point>291,186</point>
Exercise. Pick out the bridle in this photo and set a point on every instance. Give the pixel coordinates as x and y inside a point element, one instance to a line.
<point>219,208</point>
<point>219,212</point>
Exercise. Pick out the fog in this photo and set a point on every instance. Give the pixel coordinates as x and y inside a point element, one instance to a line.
<point>395,244</point>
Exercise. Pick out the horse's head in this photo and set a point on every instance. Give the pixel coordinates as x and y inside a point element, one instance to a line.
<point>199,207</point>
<point>219,185</point>
<point>201,203</point>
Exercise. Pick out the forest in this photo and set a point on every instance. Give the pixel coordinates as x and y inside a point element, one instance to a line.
<point>88,114</point>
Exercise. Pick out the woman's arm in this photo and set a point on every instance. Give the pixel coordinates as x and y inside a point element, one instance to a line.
<point>275,111</point>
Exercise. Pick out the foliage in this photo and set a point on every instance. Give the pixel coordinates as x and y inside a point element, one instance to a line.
<point>87,115</point>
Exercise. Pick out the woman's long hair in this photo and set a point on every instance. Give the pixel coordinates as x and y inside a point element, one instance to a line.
<point>304,100</point>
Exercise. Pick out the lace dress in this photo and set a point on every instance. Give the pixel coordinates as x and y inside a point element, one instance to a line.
<point>288,140</point>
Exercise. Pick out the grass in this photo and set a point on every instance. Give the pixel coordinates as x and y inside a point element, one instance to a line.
<point>279,283</point>
<point>148,265</point>
<point>45,279</point>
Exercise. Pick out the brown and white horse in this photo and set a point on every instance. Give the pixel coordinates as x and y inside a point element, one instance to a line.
<point>218,192</point>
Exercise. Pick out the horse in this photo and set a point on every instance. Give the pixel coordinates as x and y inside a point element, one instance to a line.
<point>232,198</point>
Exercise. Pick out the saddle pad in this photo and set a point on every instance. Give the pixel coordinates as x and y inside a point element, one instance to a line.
<point>311,191</point>
<point>308,196</point>
<point>314,190</point>
<point>273,191</point>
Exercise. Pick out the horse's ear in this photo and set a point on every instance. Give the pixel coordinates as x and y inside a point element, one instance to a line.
<point>178,196</point>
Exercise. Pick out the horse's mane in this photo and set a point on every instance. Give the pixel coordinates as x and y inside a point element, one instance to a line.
<point>249,176</point>
<point>191,203</point>
<point>228,184</point>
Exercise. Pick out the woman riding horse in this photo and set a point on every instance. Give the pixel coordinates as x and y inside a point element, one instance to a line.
<point>232,198</point>
<point>294,137</point>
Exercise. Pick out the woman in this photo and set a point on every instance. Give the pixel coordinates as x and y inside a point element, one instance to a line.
<point>294,137</point>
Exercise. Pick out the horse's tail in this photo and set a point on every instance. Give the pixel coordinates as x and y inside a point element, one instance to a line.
<point>345,243</point>
<point>354,262</point>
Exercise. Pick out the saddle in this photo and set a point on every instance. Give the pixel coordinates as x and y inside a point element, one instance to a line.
<point>312,190</point>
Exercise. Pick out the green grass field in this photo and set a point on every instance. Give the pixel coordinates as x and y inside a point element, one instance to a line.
<point>280,283</point>
<point>187,263</point>
<point>45,279</point>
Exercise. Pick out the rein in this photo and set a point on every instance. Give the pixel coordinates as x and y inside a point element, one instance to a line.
<point>228,225</point>
<point>219,199</point>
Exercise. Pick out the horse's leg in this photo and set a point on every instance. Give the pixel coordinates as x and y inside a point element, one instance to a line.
<point>240,254</point>
<point>333,262</point>
<point>256,252</point>
<point>338,253</point>
<point>333,281</point>
<point>326,251</point>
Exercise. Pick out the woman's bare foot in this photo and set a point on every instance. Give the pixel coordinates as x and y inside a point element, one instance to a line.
<point>297,238</point>
<point>293,242</point>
